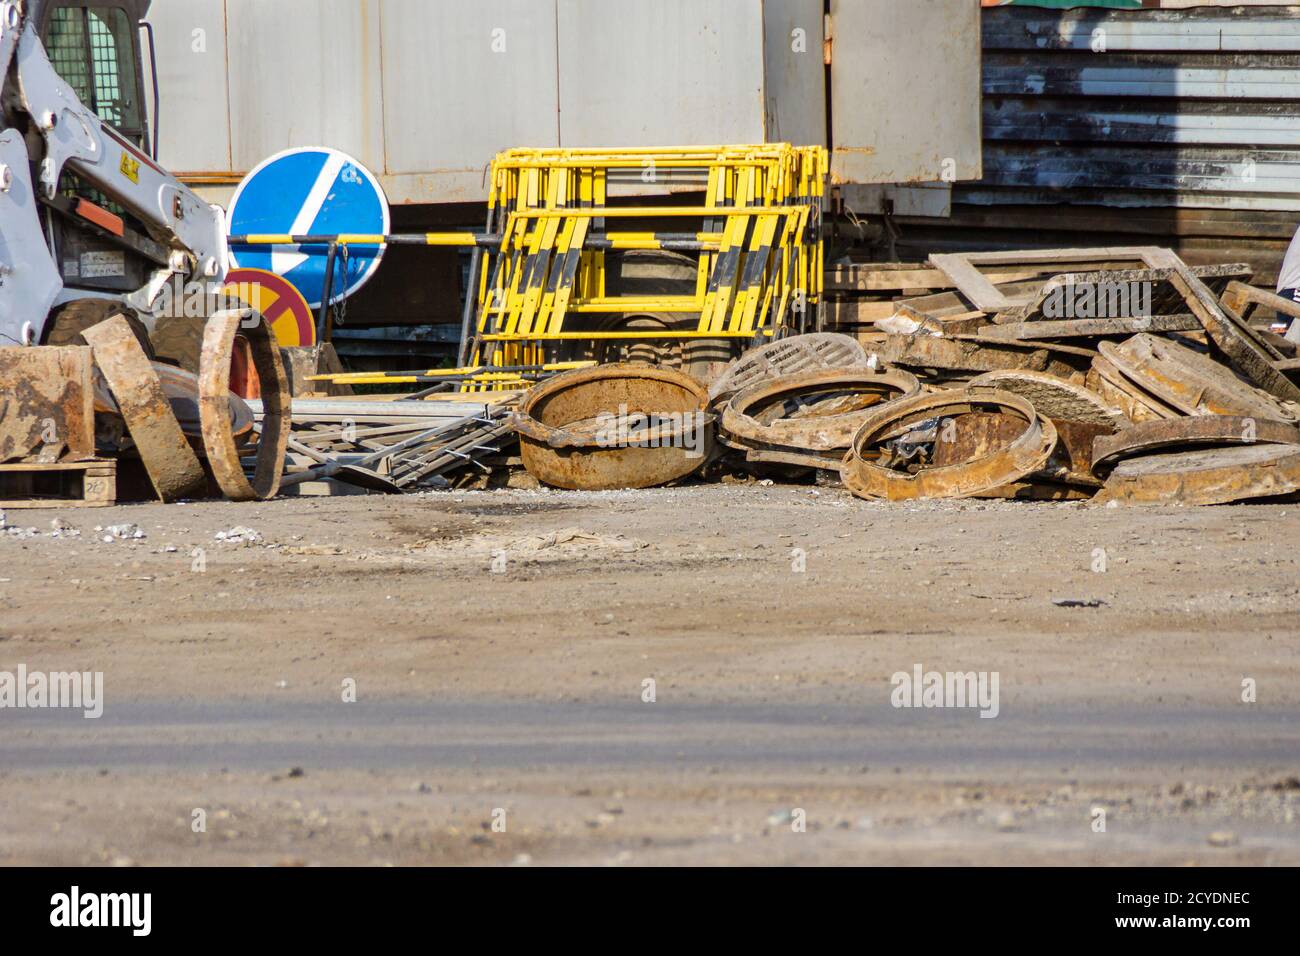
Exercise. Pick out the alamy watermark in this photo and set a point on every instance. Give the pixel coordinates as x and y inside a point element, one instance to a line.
<point>922,688</point>
<point>628,429</point>
<point>178,299</point>
<point>75,690</point>
<point>1099,300</point>
<point>132,911</point>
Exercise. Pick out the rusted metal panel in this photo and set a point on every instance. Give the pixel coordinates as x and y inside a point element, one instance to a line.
<point>1193,383</point>
<point>173,467</point>
<point>1205,477</point>
<point>1245,347</point>
<point>46,404</point>
<point>932,351</point>
<point>1116,389</point>
<point>1091,328</point>
<point>1057,398</point>
<point>1165,299</point>
<point>905,91</point>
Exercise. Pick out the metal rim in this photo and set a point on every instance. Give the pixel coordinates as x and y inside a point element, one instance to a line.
<point>1144,438</point>
<point>1027,454</point>
<point>214,405</point>
<point>823,433</point>
<point>557,437</point>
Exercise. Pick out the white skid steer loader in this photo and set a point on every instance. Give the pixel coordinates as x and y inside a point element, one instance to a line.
<point>90,224</point>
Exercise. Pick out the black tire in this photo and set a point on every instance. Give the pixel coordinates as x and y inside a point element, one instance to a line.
<point>652,272</point>
<point>68,321</point>
<point>179,340</point>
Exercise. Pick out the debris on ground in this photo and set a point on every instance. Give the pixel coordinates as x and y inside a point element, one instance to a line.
<point>239,535</point>
<point>1118,375</point>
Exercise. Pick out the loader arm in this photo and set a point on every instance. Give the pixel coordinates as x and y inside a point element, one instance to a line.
<point>72,136</point>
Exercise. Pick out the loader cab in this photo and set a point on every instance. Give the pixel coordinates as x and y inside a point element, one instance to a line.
<point>96,48</point>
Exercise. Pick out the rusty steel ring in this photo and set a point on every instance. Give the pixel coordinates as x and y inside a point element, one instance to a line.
<point>1146,438</point>
<point>1027,454</point>
<point>214,405</point>
<point>815,441</point>
<point>560,446</point>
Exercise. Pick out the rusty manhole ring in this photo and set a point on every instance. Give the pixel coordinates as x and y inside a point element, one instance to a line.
<point>170,462</point>
<point>809,418</point>
<point>1207,476</point>
<point>615,426</point>
<point>214,405</point>
<point>1026,454</point>
<point>1146,438</point>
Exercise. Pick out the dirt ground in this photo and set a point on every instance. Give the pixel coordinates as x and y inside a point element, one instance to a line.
<point>693,675</point>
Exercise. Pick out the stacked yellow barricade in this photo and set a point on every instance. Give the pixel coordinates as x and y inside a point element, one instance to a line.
<point>757,238</point>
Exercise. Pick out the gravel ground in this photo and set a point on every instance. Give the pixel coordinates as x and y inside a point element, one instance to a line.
<point>692,675</point>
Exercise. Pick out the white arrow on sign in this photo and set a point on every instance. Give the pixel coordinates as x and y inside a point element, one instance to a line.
<point>285,258</point>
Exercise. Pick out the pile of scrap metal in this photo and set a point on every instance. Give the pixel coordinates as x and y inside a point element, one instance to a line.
<point>456,430</point>
<point>103,421</point>
<point>395,445</point>
<point>71,415</point>
<point>1114,374</point>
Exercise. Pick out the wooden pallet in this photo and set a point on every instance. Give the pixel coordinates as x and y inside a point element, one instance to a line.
<point>64,484</point>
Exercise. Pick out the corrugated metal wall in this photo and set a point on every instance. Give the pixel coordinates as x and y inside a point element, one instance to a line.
<point>1174,126</point>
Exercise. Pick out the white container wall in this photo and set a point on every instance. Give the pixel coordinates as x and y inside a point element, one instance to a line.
<point>426,92</point>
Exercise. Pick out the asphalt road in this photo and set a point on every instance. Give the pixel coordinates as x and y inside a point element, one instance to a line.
<point>525,736</point>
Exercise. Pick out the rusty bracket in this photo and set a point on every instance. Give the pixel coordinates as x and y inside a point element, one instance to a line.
<point>173,467</point>
<point>214,404</point>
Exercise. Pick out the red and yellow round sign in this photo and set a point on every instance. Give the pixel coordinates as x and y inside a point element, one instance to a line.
<point>279,300</point>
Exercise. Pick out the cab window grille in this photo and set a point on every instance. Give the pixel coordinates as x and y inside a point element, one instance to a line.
<point>65,44</point>
<point>93,49</point>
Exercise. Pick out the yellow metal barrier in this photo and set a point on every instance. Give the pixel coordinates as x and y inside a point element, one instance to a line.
<point>756,239</point>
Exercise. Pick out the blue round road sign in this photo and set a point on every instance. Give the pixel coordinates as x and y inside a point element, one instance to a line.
<point>310,191</point>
